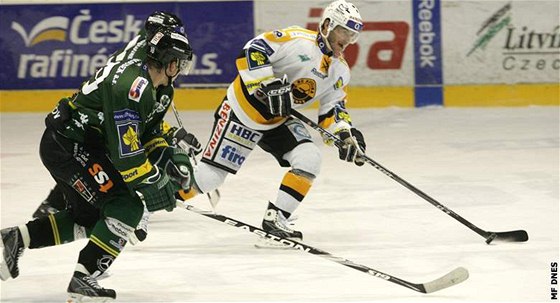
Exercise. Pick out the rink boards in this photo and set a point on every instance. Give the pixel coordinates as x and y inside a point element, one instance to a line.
<point>410,53</point>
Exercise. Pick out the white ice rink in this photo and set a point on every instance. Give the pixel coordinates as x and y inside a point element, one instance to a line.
<point>496,167</point>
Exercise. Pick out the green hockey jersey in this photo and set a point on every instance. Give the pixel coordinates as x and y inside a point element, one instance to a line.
<point>123,108</point>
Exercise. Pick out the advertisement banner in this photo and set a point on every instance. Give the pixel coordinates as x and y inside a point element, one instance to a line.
<point>379,58</point>
<point>59,46</point>
<point>501,41</point>
<point>428,69</point>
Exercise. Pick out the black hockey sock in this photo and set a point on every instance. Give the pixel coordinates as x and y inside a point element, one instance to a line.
<point>54,230</point>
<point>94,258</point>
<point>40,233</point>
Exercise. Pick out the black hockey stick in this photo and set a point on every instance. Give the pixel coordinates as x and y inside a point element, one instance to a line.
<point>456,276</point>
<point>507,236</point>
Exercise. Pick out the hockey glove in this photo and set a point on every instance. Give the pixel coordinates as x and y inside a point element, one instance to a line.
<point>278,93</point>
<point>59,115</point>
<point>175,162</point>
<point>157,191</point>
<point>353,148</point>
<point>186,141</point>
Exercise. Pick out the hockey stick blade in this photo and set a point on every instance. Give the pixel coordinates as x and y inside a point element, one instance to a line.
<point>508,236</point>
<point>454,277</point>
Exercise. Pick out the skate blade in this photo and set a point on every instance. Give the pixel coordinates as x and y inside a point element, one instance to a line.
<point>264,243</point>
<point>4,270</point>
<point>77,298</point>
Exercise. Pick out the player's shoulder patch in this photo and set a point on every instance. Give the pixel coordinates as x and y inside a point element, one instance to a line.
<point>137,88</point>
<point>127,122</point>
<point>256,58</point>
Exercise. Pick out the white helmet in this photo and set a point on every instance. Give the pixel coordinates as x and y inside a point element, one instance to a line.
<point>345,14</point>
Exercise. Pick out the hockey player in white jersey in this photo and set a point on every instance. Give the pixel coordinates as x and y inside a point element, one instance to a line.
<point>278,71</point>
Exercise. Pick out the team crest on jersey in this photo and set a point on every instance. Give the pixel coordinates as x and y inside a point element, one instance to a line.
<point>137,88</point>
<point>127,122</point>
<point>256,59</point>
<point>303,90</point>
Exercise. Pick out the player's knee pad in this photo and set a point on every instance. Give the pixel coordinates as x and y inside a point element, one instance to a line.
<point>208,177</point>
<point>305,157</point>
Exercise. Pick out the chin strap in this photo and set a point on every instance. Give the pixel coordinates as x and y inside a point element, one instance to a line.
<point>324,45</point>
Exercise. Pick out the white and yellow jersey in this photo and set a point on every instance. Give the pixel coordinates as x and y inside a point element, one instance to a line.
<point>301,55</point>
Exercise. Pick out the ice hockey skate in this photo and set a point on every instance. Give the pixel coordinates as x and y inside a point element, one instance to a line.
<point>276,224</point>
<point>84,288</point>
<point>12,242</point>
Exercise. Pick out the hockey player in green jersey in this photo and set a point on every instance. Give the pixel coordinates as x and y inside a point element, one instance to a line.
<point>135,49</point>
<point>108,155</point>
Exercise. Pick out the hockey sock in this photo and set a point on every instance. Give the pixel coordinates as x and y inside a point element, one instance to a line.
<point>295,185</point>
<point>102,249</point>
<point>54,229</point>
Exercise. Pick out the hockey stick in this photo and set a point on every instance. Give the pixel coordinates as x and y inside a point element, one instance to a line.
<point>507,236</point>
<point>456,276</point>
<point>213,196</point>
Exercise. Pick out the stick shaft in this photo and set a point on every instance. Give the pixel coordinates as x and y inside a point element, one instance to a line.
<point>435,285</point>
<point>395,177</point>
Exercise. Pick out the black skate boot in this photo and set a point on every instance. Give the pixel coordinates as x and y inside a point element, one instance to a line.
<point>13,249</point>
<point>84,288</point>
<point>275,223</point>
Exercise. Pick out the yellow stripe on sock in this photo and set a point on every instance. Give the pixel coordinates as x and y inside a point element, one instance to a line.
<point>54,227</point>
<point>103,246</point>
<point>297,183</point>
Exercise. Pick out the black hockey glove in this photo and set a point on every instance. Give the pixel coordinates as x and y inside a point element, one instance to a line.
<point>58,117</point>
<point>186,141</point>
<point>157,191</point>
<point>353,148</point>
<point>278,94</point>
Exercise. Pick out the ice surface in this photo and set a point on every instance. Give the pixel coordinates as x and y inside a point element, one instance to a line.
<point>496,167</point>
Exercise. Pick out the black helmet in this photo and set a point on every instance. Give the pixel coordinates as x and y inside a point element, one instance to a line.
<point>166,46</point>
<point>159,19</point>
